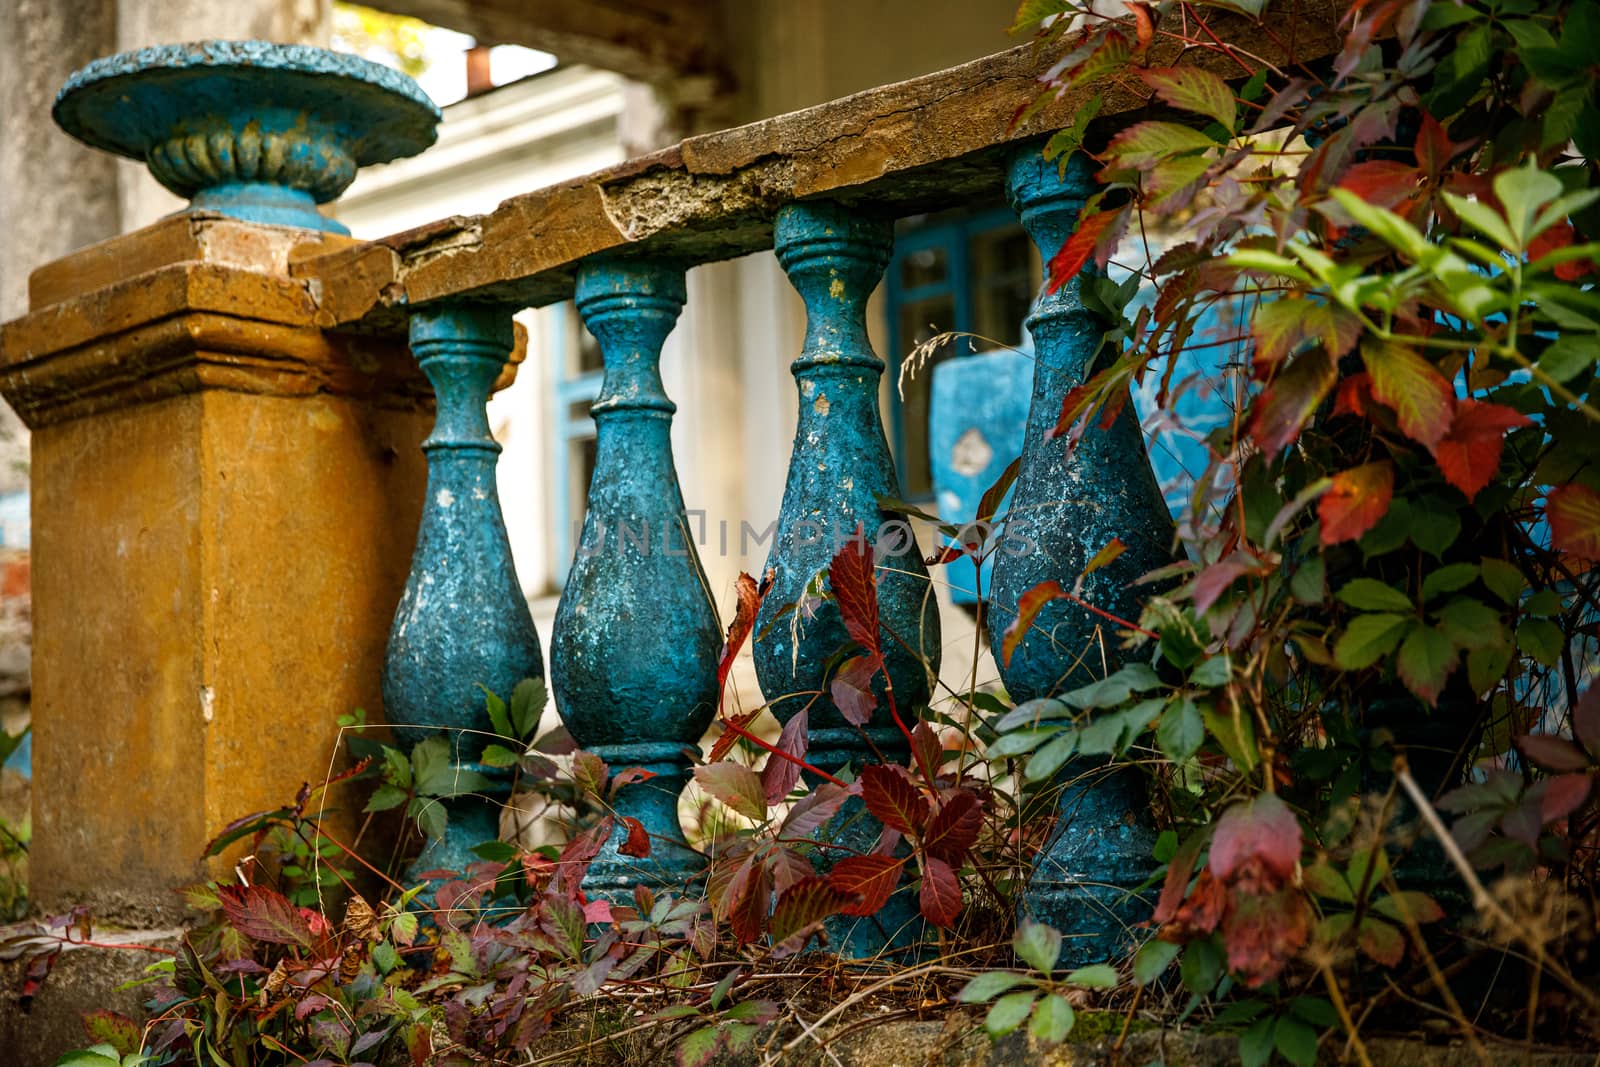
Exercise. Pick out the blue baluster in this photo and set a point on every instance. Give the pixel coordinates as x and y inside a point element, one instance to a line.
<point>462,621</point>
<point>1065,507</point>
<point>635,646</point>
<point>839,467</point>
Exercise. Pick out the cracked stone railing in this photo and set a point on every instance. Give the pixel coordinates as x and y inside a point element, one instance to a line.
<point>315,320</point>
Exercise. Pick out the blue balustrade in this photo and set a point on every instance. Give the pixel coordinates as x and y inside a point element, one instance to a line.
<point>636,639</point>
<point>462,622</point>
<point>1065,507</point>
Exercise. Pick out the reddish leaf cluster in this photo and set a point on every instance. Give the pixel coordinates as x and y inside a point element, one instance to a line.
<point>1246,890</point>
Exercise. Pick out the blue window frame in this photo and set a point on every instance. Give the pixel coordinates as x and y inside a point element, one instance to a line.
<point>972,272</point>
<point>579,372</point>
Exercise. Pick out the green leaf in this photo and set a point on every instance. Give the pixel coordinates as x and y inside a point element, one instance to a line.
<point>1153,959</point>
<point>1033,12</point>
<point>1045,762</point>
<point>1008,1012</point>
<point>1193,89</point>
<point>988,985</point>
<point>1213,672</point>
<point>1369,638</point>
<point>1037,944</point>
<point>1503,579</point>
<point>1314,1010</point>
<point>1255,1044</point>
<point>1369,594</point>
<point>1545,603</point>
<point>1435,525</point>
<point>397,767</point>
<point>1395,231</point>
<point>94,1056</point>
<point>1448,579</point>
<point>386,796</point>
<point>1145,144</point>
<point>1052,1019</point>
<point>1485,220</point>
<point>497,712</point>
<point>698,1047</point>
<point>1522,192</point>
<point>1096,976</point>
<point>1181,731</point>
<point>1570,355</point>
<point>1360,861</point>
<point>1323,880</point>
<point>499,756</point>
<point>1264,262</point>
<point>430,763</point>
<point>527,703</point>
<point>430,815</point>
<point>385,957</point>
<point>1486,666</point>
<point>1308,583</point>
<point>1541,639</point>
<point>1236,735</point>
<point>1426,659</point>
<point>1201,968</point>
<point>1471,623</point>
<point>1296,1041</point>
<point>1115,688</point>
<point>1019,742</point>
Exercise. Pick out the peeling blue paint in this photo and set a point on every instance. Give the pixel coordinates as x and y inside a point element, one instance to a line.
<point>636,639</point>
<point>1070,506</point>
<point>462,621</point>
<point>250,129</point>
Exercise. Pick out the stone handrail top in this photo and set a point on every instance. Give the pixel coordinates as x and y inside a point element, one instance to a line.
<point>920,145</point>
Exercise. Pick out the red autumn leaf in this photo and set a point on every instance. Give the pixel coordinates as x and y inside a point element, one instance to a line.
<point>812,810</point>
<point>1286,404</point>
<point>1420,396</point>
<point>731,734</point>
<point>941,892</point>
<point>1144,22</point>
<point>629,777</point>
<point>892,799</point>
<point>1556,237</point>
<point>598,911</point>
<point>869,878</point>
<point>1256,840</point>
<point>1073,407</point>
<point>748,899</point>
<point>851,689</point>
<point>1028,607</point>
<point>1383,183</point>
<point>1563,795</point>
<point>1355,393</point>
<point>856,591</point>
<point>779,775</point>
<point>1573,512</point>
<point>736,786</point>
<point>1381,942</point>
<point>638,842</point>
<point>1263,932</point>
<point>749,597</point>
<point>788,867</point>
<point>1469,453</point>
<point>802,909</point>
<point>1084,242</point>
<point>1355,501</point>
<point>1212,582</point>
<point>1176,883</point>
<point>1586,721</point>
<point>1553,753</point>
<point>264,914</point>
<point>1434,148</point>
<point>953,830</point>
<point>926,749</point>
<point>104,1026</point>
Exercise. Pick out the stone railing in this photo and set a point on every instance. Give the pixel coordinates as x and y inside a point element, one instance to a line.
<point>229,494</point>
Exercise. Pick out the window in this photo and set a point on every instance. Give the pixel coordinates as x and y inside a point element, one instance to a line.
<point>973,272</point>
<point>579,372</point>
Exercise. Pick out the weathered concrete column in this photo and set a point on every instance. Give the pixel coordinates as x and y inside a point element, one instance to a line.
<point>224,503</point>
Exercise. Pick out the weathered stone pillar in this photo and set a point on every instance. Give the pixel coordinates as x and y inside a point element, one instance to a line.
<point>224,501</point>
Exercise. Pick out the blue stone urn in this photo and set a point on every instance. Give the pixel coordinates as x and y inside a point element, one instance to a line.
<point>250,129</point>
<point>633,655</point>
<point>462,625</point>
<point>1064,508</point>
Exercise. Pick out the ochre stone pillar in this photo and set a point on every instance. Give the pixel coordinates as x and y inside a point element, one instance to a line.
<point>224,504</point>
